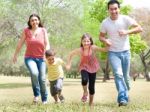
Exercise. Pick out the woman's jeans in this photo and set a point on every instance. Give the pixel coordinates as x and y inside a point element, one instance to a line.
<point>37,68</point>
<point>120,62</point>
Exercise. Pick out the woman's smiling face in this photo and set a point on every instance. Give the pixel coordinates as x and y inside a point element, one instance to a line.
<point>34,22</point>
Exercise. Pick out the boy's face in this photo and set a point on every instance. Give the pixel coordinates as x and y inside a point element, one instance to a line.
<point>114,11</point>
<point>50,59</point>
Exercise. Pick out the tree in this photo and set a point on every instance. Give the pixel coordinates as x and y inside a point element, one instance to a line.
<point>145,57</point>
<point>145,53</point>
<point>58,16</point>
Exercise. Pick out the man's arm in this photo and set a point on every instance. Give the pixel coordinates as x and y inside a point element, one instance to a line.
<point>135,28</point>
<point>104,39</point>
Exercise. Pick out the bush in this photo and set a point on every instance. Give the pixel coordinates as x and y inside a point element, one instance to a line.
<point>9,70</point>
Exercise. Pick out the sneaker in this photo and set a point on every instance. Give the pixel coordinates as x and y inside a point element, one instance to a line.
<point>44,102</point>
<point>84,98</point>
<point>36,99</point>
<point>61,98</point>
<point>122,103</point>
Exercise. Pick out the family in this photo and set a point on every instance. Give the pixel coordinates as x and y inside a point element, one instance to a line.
<point>114,33</point>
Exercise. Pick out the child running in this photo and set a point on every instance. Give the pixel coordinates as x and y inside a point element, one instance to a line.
<point>88,66</point>
<point>55,75</point>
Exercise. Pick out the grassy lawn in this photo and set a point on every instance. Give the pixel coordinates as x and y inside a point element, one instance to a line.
<point>16,96</point>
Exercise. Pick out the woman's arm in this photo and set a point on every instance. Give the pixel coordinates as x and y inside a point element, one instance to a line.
<point>47,44</point>
<point>19,46</point>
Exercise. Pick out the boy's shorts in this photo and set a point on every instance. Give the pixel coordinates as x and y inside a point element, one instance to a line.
<point>56,86</point>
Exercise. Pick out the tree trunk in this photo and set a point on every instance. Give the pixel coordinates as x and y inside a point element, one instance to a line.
<point>144,57</point>
<point>106,72</point>
<point>147,76</point>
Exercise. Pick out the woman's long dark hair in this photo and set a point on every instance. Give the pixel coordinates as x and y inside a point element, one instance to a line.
<point>34,15</point>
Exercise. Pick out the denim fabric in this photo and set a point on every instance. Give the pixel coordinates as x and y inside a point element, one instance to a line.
<point>37,68</point>
<point>120,62</point>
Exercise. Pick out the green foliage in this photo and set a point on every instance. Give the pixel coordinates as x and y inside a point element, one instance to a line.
<point>99,10</point>
<point>136,65</point>
<point>126,9</point>
<point>137,44</point>
<point>6,66</point>
<point>61,20</point>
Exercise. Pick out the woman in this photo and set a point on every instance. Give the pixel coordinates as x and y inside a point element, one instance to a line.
<point>36,40</point>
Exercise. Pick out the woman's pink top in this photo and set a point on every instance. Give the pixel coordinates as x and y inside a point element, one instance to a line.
<point>89,62</point>
<point>35,47</point>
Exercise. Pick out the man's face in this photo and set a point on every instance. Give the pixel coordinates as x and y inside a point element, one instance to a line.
<point>114,11</point>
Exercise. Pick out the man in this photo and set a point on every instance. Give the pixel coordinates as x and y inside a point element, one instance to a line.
<point>117,27</point>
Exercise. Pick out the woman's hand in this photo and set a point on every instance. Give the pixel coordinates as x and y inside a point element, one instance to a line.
<point>14,59</point>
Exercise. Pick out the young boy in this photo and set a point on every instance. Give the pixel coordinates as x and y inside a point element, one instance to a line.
<point>55,75</point>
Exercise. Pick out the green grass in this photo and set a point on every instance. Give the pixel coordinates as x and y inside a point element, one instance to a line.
<point>73,107</point>
<point>13,85</point>
<point>16,96</point>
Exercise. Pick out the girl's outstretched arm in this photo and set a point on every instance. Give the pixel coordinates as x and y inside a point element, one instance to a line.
<point>96,48</point>
<point>71,55</point>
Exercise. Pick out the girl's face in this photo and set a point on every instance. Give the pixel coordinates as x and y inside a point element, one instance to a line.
<point>86,42</point>
<point>34,22</point>
<point>50,59</point>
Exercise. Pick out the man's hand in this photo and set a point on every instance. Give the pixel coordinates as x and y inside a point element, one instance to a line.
<point>122,32</point>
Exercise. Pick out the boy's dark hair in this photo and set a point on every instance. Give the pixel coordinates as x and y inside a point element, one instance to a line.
<point>49,53</point>
<point>113,2</point>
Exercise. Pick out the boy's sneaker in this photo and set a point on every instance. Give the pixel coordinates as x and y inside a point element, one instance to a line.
<point>122,103</point>
<point>44,102</point>
<point>61,98</point>
<point>36,99</point>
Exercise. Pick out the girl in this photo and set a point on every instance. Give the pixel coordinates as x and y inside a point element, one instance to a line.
<point>88,66</point>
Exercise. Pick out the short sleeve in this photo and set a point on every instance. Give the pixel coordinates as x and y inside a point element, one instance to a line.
<point>103,27</point>
<point>26,31</point>
<point>130,21</point>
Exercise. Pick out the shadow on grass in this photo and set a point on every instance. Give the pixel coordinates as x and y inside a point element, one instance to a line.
<point>13,85</point>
